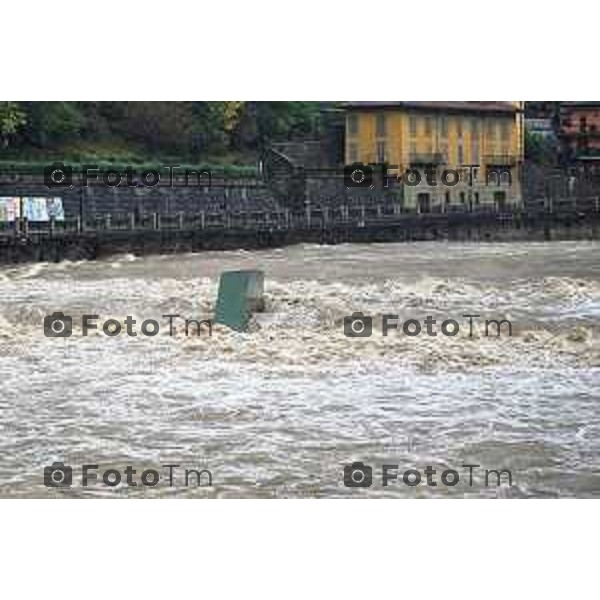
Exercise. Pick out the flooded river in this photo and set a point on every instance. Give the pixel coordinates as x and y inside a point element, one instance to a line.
<point>279,411</point>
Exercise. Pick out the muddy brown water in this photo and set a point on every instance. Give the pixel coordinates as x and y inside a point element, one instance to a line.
<point>280,410</point>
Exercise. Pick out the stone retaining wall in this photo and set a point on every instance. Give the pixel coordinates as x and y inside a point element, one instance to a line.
<point>97,199</point>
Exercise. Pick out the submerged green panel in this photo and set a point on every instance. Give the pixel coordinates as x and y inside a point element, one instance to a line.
<point>240,294</point>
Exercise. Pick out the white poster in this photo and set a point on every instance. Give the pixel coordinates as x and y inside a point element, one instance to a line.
<point>55,209</point>
<point>10,209</point>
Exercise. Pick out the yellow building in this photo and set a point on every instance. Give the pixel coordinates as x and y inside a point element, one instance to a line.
<point>482,141</point>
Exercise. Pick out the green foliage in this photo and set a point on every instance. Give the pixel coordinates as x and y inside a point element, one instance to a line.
<point>36,166</point>
<point>196,132</point>
<point>53,123</point>
<point>12,118</point>
<point>264,122</point>
<point>209,133</point>
<point>159,126</point>
<point>540,150</point>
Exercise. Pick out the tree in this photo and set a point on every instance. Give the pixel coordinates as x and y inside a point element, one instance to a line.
<point>12,118</point>
<point>264,122</point>
<point>159,126</point>
<point>197,130</point>
<point>212,126</point>
<point>540,150</point>
<point>232,112</point>
<point>50,124</point>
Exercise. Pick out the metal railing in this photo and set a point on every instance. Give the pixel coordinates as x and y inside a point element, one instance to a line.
<point>312,217</point>
<point>500,160</point>
<point>428,158</point>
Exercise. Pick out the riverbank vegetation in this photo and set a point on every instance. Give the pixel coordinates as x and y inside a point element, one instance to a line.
<point>214,134</point>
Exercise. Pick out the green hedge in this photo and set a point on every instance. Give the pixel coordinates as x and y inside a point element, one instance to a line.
<point>36,166</point>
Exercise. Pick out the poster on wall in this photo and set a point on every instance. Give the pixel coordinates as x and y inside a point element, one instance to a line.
<point>3,210</point>
<point>10,209</point>
<point>33,209</point>
<point>55,209</point>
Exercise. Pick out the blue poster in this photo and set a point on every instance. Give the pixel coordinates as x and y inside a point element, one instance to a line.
<point>55,209</point>
<point>35,209</point>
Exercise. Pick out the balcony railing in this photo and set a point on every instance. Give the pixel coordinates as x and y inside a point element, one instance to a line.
<point>590,154</point>
<point>500,160</point>
<point>428,158</point>
<point>589,131</point>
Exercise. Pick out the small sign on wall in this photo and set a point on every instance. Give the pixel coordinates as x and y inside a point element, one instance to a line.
<point>37,209</point>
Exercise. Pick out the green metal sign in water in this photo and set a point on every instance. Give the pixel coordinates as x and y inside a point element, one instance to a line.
<point>240,295</point>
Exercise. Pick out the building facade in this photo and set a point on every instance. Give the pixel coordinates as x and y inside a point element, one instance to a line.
<point>480,141</point>
<point>579,132</point>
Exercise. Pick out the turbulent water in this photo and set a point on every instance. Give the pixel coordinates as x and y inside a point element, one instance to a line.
<point>280,410</point>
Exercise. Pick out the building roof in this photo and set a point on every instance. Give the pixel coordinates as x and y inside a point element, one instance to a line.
<point>587,104</point>
<point>451,106</point>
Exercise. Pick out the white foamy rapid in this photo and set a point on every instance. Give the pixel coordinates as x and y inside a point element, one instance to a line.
<point>279,410</point>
